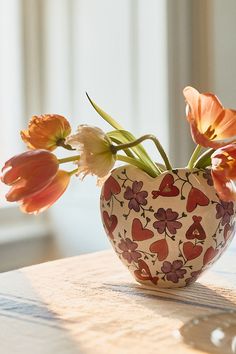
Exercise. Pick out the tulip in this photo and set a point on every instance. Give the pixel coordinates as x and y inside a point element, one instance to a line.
<point>97,157</point>
<point>224,171</point>
<point>47,196</point>
<point>46,132</point>
<point>211,124</point>
<point>28,173</point>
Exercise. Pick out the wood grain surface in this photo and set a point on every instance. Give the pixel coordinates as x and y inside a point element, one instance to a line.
<point>91,304</point>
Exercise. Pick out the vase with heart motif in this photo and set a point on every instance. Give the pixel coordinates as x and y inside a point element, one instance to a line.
<point>169,229</point>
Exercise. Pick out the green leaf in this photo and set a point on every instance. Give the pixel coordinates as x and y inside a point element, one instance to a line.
<point>124,137</point>
<point>104,115</point>
<point>204,160</point>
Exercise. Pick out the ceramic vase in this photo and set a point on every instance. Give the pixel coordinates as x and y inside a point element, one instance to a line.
<point>169,229</point>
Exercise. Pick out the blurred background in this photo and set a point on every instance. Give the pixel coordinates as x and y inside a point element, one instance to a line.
<point>133,57</point>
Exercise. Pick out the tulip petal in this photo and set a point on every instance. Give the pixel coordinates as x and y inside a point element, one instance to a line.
<point>224,171</point>
<point>225,188</point>
<point>45,131</point>
<point>48,196</point>
<point>29,172</point>
<point>210,123</point>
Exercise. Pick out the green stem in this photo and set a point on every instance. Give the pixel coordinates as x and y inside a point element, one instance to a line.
<point>136,163</point>
<point>204,160</point>
<point>140,140</point>
<point>69,159</point>
<point>194,157</point>
<point>61,142</point>
<point>162,152</point>
<point>127,151</point>
<point>71,173</point>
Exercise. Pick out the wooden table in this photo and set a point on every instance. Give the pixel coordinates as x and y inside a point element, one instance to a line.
<point>90,304</point>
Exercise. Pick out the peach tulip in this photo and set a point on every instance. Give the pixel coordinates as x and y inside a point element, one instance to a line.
<point>28,173</point>
<point>46,132</point>
<point>47,196</point>
<point>96,156</point>
<point>224,171</point>
<point>211,124</point>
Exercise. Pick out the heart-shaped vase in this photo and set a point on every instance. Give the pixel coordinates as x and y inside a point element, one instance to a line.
<point>169,229</point>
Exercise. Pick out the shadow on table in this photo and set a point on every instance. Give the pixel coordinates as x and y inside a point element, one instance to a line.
<point>197,295</point>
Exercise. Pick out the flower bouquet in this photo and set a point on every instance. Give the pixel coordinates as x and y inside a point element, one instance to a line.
<point>166,224</point>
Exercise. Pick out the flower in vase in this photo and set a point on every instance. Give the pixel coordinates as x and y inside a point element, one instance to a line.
<point>96,155</point>
<point>28,173</point>
<point>223,171</point>
<point>210,122</point>
<point>42,200</point>
<point>47,131</point>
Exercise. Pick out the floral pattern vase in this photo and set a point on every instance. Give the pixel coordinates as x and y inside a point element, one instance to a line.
<point>169,229</point>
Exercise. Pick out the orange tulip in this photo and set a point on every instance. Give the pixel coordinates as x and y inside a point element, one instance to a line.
<point>48,195</point>
<point>46,132</point>
<point>210,122</point>
<point>28,173</point>
<point>224,171</point>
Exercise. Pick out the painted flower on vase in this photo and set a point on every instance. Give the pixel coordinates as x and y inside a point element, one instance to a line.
<point>173,271</point>
<point>128,249</point>
<point>136,196</point>
<point>167,220</point>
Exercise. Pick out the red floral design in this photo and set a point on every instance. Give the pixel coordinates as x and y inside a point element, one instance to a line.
<point>195,198</point>
<point>173,271</point>
<point>196,230</point>
<point>160,247</point>
<point>136,196</point>
<point>227,232</point>
<point>224,211</point>
<point>167,188</point>
<point>191,251</point>
<point>129,250</point>
<point>143,273</point>
<point>110,223</point>
<point>140,233</point>
<point>167,219</point>
<point>111,187</point>
<point>209,255</point>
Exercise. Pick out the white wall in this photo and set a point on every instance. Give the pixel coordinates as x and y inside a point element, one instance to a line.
<point>117,52</point>
<point>223,57</point>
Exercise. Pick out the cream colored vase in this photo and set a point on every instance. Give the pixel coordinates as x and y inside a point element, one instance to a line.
<point>169,229</point>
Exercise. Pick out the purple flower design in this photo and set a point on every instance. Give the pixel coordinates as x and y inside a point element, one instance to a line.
<point>136,196</point>
<point>173,271</point>
<point>167,219</point>
<point>224,210</point>
<point>194,276</point>
<point>208,177</point>
<point>129,250</point>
